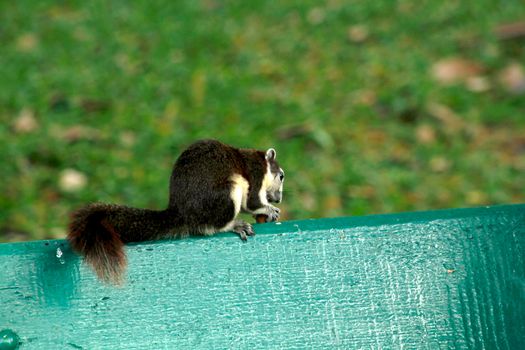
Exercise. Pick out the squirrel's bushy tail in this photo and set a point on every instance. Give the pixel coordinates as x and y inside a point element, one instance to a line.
<point>92,234</point>
<point>98,232</point>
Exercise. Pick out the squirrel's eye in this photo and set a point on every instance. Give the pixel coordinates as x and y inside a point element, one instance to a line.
<point>281,176</point>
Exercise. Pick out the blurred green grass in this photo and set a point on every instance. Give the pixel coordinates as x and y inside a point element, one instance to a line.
<point>344,91</point>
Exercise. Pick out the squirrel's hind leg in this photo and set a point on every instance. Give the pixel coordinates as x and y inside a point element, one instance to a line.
<point>240,227</point>
<point>243,229</point>
<point>222,209</point>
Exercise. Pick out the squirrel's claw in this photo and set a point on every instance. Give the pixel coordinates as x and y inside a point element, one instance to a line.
<point>243,229</point>
<point>273,213</point>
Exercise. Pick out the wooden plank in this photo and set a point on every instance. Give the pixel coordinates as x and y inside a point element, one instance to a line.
<point>445,279</point>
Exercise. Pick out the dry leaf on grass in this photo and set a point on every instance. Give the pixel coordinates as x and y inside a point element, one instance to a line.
<point>455,69</point>
<point>478,84</point>
<point>80,132</point>
<point>25,122</point>
<point>365,97</point>
<point>512,78</point>
<point>358,33</point>
<point>72,180</point>
<point>439,164</point>
<point>510,30</point>
<point>316,15</point>
<point>451,121</point>
<point>425,134</point>
<point>287,132</point>
<point>26,42</point>
<point>75,133</point>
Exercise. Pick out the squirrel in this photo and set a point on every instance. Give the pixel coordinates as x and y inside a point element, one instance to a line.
<point>210,184</point>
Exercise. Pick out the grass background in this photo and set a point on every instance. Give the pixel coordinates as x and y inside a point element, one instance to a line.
<point>344,90</point>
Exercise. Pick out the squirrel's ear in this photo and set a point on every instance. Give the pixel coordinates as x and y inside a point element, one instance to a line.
<point>270,154</point>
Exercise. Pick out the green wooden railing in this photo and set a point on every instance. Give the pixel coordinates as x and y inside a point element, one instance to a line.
<point>452,279</point>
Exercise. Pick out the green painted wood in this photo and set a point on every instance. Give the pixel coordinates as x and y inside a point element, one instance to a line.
<point>431,280</point>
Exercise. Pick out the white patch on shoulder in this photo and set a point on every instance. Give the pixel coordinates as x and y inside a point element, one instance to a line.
<point>239,192</point>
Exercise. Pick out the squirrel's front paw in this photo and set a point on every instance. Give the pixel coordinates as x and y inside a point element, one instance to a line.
<point>270,211</point>
<point>273,213</point>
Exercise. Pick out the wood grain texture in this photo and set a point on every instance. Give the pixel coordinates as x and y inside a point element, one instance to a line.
<point>431,280</point>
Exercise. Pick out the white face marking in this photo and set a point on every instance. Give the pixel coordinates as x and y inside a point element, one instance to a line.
<point>282,182</point>
<point>266,184</point>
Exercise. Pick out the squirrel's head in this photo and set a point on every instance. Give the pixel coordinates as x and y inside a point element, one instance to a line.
<point>274,178</point>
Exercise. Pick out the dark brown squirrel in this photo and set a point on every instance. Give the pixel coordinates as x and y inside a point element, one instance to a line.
<point>211,183</point>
